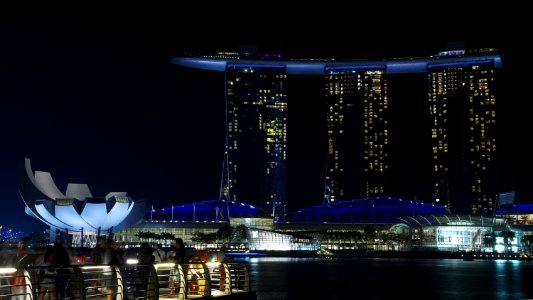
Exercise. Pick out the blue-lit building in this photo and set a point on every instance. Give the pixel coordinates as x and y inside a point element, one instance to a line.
<point>366,210</point>
<point>378,223</point>
<point>76,214</point>
<point>200,217</point>
<point>207,211</point>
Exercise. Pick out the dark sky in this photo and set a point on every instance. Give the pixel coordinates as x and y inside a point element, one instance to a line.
<point>92,97</point>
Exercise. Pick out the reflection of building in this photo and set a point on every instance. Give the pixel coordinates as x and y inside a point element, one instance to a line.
<point>76,212</point>
<point>462,109</point>
<point>356,117</point>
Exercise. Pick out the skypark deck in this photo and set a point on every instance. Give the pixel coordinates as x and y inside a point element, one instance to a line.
<point>321,67</point>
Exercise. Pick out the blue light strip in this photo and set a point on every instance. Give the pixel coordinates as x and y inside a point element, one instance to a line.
<point>406,67</point>
<point>338,69</point>
<point>461,64</point>
<point>300,68</point>
<point>254,66</point>
<point>321,67</point>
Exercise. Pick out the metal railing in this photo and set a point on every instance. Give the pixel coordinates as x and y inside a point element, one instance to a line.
<point>182,281</point>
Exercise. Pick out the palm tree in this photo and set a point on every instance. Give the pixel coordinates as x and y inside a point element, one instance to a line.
<point>224,234</point>
<point>489,240</point>
<point>508,237</point>
<point>167,236</point>
<point>527,241</point>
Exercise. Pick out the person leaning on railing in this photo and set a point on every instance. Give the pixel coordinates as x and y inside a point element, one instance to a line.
<point>179,258</point>
<point>55,277</point>
<point>113,259</point>
<point>196,276</point>
<point>146,260</point>
<point>221,257</point>
<point>48,276</point>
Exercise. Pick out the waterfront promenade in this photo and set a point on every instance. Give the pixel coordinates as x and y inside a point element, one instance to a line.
<point>196,279</point>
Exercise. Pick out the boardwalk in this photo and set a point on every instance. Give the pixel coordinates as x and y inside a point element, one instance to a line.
<point>191,281</point>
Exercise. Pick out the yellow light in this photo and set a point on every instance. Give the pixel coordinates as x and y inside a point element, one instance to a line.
<point>212,264</point>
<point>7,270</point>
<point>95,267</point>
<point>163,265</point>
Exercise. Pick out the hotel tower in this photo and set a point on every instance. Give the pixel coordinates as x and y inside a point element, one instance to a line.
<point>462,107</point>
<point>256,150</point>
<point>357,132</point>
<point>461,113</point>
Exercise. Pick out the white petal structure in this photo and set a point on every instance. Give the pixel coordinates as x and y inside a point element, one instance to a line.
<point>50,218</point>
<point>47,185</point>
<point>77,209</point>
<point>67,213</point>
<point>79,191</point>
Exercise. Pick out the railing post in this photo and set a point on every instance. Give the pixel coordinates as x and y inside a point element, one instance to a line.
<point>21,287</point>
<point>79,283</point>
<point>207,280</point>
<point>182,285</point>
<point>246,286</point>
<point>227,279</point>
<point>152,288</point>
<point>119,295</point>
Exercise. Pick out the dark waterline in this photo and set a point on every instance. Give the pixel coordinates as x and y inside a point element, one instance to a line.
<point>313,278</point>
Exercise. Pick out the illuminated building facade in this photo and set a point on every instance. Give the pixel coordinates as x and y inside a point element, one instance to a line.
<point>461,112</point>
<point>336,226</point>
<point>76,212</point>
<point>462,109</point>
<point>356,118</point>
<point>256,150</point>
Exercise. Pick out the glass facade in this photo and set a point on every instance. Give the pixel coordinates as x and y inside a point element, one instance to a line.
<point>357,129</point>
<point>256,99</point>
<point>459,117</point>
<point>462,110</point>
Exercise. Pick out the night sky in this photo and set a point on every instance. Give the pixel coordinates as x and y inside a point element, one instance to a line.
<point>92,97</point>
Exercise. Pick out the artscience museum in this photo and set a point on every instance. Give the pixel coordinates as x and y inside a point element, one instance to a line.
<point>76,212</point>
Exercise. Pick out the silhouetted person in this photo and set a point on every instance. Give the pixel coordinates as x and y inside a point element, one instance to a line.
<point>145,262</point>
<point>221,257</point>
<point>55,277</point>
<point>113,259</point>
<point>146,257</point>
<point>179,258</point>
<point>22,251</point>
<point>159,255</point>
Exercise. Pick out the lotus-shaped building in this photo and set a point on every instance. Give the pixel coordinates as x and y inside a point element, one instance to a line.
<point>76,210</point>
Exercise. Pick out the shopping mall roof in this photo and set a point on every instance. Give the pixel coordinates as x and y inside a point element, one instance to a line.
<point>375,209</point>
<point>208,211</point>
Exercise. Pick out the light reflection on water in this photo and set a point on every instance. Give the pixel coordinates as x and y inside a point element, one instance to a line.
<point>384,278</point>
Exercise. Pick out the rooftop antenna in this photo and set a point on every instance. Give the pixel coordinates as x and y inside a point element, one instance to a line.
<point>225,183</point>
<point>327,188</point>
<point>416,206</point>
